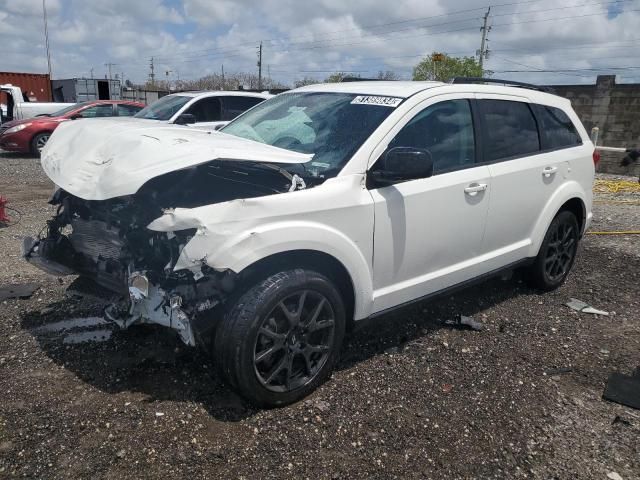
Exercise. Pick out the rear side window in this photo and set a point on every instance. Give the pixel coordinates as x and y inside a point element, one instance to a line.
<point>234,106</point>
<point>510,129</point>
<point>556,128</point>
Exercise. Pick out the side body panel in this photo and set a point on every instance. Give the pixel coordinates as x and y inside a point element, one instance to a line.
<point>335,218</point>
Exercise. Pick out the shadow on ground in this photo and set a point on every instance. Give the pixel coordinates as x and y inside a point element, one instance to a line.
<point>152,363</point>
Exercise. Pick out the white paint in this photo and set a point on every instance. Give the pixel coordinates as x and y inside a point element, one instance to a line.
<point>101,158</point>
<point>427,234</point>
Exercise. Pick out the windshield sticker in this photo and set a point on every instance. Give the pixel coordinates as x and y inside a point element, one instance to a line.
<point>375,100</point>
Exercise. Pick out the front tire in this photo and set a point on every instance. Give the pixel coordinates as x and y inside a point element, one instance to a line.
<point>281,339</point>
<point>557,252</point>
<point>38,142</point>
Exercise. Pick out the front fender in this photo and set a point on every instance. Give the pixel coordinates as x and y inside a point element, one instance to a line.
<point>240,249</point>
<point>562,195</point>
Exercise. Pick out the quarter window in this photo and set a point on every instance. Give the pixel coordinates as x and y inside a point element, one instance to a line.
<point>556,128</point>
<point>510,129</point>
<point>446,131</point>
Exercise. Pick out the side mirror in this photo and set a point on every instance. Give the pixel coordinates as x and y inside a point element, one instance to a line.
<point>185,119</point>
<point>75,116</point>
<point>400,164</point>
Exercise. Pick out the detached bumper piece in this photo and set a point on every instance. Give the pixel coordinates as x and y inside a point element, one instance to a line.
<point>149,303</point>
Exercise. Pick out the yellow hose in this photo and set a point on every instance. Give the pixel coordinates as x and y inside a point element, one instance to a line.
<point>616,186</point>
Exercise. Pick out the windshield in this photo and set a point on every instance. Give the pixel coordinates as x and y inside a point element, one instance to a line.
<point>331,126</point>
<point>164,108</point>
<point>66,110</point>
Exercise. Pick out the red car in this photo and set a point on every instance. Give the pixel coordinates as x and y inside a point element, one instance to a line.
<point>31,134</point>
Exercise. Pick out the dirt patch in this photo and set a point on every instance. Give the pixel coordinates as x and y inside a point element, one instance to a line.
<point>412,397</point>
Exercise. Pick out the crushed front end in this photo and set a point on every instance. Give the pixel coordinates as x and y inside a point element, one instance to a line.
<point>108,241</point>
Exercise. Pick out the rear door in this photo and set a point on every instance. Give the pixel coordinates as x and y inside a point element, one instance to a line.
<point>524,174</point>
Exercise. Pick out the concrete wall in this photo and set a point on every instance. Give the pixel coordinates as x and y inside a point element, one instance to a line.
<point>615,110</point>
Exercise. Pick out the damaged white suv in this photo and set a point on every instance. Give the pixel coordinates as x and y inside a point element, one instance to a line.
<point>314,210</point>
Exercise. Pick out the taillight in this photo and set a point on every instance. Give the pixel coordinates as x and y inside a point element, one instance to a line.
<point>596,157</point>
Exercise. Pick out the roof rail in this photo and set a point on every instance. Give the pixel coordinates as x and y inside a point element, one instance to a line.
<point>509,83</point>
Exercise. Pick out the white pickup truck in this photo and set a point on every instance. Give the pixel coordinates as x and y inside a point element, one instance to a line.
<point>19,107</point>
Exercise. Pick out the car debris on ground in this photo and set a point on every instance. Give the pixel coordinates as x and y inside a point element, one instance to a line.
<point>580,306</point>
<point>624,389</point>
<point>24,290</point>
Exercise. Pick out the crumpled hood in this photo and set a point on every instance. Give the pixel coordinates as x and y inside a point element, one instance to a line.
<point>97,159</point>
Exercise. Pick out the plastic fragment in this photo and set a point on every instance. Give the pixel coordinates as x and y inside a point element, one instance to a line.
<point>580,306</point>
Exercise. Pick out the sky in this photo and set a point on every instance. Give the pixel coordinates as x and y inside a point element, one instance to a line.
<point>538,41</point>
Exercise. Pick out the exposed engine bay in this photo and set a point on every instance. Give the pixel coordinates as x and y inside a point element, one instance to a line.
<point>108,241</point>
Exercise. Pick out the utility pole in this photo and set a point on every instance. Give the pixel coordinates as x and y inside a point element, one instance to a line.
<point>91,70</point>
<point>46,36</point>
<point>260,67</point>
<point>484,51</point>
<point>152,75</point>
<point>109,65</point>
<point>223,87</point>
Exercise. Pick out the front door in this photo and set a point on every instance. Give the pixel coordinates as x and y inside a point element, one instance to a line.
<point>429,232</point>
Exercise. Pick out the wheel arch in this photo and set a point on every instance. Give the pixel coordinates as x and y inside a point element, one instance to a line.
<point>315,260</point>
<point>572,198</point>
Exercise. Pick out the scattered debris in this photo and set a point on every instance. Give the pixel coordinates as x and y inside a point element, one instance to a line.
<point>580,306</point>
<point>614,476</point>
<point>447,387</point>
<point>22,290</point>
<point>557,371</point>
<point>464,321</point>
<point>623,421</point>
<point>624,389</point>
<point>471,323</point>
<point>322,405</point>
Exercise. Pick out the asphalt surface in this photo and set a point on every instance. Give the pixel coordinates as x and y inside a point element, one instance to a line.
<point>413,397</point>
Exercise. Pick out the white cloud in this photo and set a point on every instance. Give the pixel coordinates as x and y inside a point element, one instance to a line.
<point>195,37</point>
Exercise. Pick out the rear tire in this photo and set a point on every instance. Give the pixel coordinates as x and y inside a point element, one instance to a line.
<point>38,142</point>
<point>557,252</point>
<point>281,339</point>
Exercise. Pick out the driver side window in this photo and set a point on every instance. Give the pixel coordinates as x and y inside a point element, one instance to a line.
<point>206,110</point>
<point>445,129</point>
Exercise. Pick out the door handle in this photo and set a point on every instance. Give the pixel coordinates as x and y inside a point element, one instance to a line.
<point>475,188</point>
<point>548,171</point>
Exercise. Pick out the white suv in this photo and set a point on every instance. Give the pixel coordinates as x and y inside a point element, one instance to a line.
<point>316,209</point>
<point>207,110</point>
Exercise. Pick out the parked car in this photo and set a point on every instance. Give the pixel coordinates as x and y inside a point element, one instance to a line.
<point>32,134</point>
<point>205,110</point>
<point>19,106</point>
<point>314,211</point>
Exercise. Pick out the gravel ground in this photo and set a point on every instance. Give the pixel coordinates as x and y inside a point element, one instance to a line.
<point>412,397</point>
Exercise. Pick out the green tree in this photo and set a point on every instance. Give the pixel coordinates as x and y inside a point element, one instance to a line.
<point>447,68</point>
<point>339,76</point>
